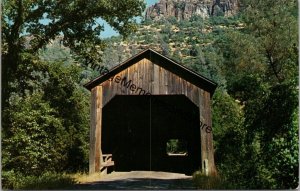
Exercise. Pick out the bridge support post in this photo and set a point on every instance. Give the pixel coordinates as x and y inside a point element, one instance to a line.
<point>95,154</point>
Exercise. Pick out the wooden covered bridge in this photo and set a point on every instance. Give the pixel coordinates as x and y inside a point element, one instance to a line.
<point>140,105</point>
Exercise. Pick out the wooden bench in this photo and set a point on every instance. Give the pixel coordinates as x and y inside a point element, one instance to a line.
<point>106,162</point>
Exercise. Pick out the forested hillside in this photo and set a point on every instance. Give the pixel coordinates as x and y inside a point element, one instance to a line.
<point>252,55</point>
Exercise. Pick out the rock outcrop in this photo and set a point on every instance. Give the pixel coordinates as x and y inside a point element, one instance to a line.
<point>184,9</point>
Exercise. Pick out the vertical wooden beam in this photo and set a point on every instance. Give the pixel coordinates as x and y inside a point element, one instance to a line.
<point>209,136</point>
<point>207,151</point>
<point>202,131</point>
<point>92,131</point>
<point>95,130</point>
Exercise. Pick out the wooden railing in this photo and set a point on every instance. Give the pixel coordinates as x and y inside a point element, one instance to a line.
<point>106,162</point>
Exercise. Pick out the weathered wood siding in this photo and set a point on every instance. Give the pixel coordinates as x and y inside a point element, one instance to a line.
<point>151,78</point>
<point>147,77</point>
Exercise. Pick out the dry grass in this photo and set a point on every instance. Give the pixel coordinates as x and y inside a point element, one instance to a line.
<point>205,182</point>
<point>82,178</point>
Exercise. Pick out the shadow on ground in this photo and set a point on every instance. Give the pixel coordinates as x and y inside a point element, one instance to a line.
<point>138,184</point>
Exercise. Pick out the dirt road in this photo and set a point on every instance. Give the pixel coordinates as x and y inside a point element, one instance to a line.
<point>140,180</point>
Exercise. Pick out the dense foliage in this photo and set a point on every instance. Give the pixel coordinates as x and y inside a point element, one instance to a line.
<point>253,56</point>
<point>48,125</point>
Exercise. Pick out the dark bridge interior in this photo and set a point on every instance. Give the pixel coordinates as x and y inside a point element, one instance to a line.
<point>136,130</point>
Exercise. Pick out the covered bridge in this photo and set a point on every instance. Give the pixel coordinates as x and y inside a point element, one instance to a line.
<point>140,106</point>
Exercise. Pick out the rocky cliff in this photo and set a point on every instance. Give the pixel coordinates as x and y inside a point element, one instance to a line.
<point>184,9</point>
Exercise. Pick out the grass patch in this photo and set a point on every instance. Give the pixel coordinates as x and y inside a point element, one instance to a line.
<point>85,177</point>
<point>203,181</point>
<point>46,181</point>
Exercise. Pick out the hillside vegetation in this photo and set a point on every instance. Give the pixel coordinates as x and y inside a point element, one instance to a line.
<point>189,42</point>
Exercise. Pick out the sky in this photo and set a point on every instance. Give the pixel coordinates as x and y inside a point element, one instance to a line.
<point>108,31</point>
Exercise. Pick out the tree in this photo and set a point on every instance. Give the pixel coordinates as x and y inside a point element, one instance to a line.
<point>172,20</point>
<point>229,135</point>
<point>279,134</point>
<point>261,65</point>
<point>29,25</point>
<point>44,109</point>
<point>48,126</point>
<point>208,63</point>
<point>35,143</point>
<point>275,27</point>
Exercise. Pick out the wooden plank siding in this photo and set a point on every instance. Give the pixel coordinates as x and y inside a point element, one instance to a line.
<point>151,78</point>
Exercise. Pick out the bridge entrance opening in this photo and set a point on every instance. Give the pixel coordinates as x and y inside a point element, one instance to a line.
<point>142,133</point>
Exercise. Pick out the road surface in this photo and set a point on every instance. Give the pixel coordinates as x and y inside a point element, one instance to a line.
<point>140,180</point>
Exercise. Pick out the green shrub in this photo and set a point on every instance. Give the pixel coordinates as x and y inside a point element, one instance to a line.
<point>47,181</point>
<point>8,179</point>
<point>203,181</point>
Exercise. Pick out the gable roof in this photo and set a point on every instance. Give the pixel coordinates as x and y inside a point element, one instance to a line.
<point>163,61</point>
